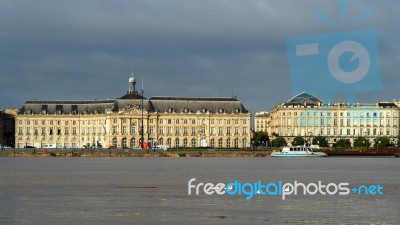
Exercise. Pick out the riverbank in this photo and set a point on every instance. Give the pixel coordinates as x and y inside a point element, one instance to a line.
<point>266,152</point>
<point>132,153</point>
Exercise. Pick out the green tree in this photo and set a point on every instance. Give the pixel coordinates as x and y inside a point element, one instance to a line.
<point>361,142</point>
<point>398,142</point>
<point>260,137</point>
<point>343,143</point>
<point>298,141</point>
<point>382,142</point>
<point>279,142</point>
<point>321,141</point>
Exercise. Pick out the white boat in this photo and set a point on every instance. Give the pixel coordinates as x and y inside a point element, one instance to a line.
<point>297,151</point>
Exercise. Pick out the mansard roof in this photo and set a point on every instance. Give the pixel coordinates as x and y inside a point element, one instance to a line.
<point>196,104</point>
<point>154,104</point>
<point>66,107</point>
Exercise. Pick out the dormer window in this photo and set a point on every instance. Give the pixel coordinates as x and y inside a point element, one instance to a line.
<point>221,110</point>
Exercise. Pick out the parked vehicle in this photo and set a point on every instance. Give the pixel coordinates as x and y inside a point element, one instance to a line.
<point>50,146</point>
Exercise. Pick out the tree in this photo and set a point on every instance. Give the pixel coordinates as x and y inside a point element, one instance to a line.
<point>382,142</point>
<point>398,142</point>
<point>298,141</point>
<point>260,137</point>
<point>321,141</point>
<point>361,142</point>
<point>279,142</point>
<point>343,143</point>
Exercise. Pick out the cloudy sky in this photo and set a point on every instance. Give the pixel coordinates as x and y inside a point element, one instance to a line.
<point>82,50</point>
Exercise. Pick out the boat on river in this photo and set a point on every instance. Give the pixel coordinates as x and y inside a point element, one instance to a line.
<point>297,151</point>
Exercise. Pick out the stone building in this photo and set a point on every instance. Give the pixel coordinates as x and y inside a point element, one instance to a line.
<point>173,121</point>
<point>307,116</point>
<point>7,127</point>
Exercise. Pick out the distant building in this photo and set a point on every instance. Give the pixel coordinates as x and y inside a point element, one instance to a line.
<point>307,116</point>
<point>173,121</point>
<point>7,127</point>
<point>260,121</point>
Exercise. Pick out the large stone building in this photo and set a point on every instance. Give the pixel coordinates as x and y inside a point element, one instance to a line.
<point>172,121</point>
<point>307,116</point>
<point>7,127</point>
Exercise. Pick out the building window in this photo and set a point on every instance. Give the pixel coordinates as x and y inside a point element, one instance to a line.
<point>212,143</point>
<point>193,130</point>
<point>177,143</point>
<point>133,129</point>
<point>220,143</point>
<point>124,129</point>
<point>185,142</point>
<point>161,130</point>
<point>236,143</point>
<point>228,131</point>
<point>161,141</point>
<point>177,130</point>
<point>193,142</point>
<point>124,142</point>
<point>74,130</point>
<point>133,142</point>
<point>244,130</point>
<point>185,130</point>
<point>220,131</point>
<point>228,143</point>
<point>114,142</point>
<point>169,142</point>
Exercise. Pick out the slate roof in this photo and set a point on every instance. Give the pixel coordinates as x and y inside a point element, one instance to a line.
<point>195,104</point>
<point>130,101</point>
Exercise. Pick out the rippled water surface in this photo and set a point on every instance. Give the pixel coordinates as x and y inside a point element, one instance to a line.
<point>154,191</point>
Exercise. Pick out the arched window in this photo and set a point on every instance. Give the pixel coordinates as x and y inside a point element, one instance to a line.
<point>169,142</point>
<point>160,141</point>
<point>228,143</point>
<point>193,142</point>
<point>124,142</point>
<point>133,142</point>
<point>177,143</point>
<point>114,142</point>
<point>220,143</point>
<point>236,142</point>
<point>185,142</point>
<point>212,143</point>
<point>244,143</point>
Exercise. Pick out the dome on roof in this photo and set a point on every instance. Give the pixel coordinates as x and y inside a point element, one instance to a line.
<point>304,98</point>
<point>132,80</point>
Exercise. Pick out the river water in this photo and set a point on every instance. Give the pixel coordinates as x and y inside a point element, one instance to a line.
<point>155,191</point>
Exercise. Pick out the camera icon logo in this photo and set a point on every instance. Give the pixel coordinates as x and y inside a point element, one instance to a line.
<point>335,64</point>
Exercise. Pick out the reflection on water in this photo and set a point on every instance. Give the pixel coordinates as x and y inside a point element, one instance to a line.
<point>154,191</point>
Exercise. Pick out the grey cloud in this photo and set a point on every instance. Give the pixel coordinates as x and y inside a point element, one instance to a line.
<point>85,49</point>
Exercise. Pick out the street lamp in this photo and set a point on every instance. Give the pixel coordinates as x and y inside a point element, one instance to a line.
<point>377,145</point>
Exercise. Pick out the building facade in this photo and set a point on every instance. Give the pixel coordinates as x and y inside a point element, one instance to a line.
<point>307,116</point>
<point>7,127</point>
<point>177,122</point>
